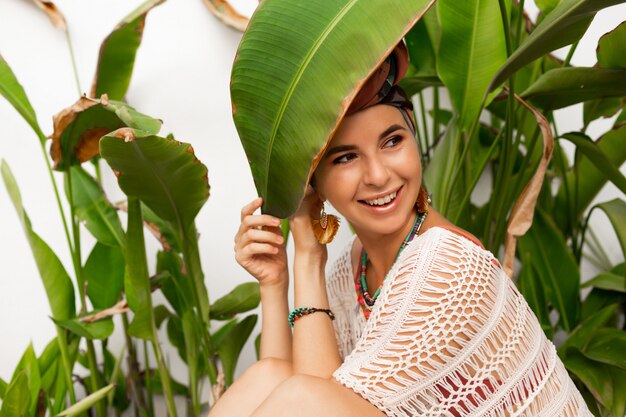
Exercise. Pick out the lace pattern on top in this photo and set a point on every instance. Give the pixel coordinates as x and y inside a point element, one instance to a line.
<point>449,335</point>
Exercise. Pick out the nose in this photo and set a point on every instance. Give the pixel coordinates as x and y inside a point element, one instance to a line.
<point>376,173</point>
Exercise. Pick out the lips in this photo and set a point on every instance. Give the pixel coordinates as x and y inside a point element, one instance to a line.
<point>382,200</point>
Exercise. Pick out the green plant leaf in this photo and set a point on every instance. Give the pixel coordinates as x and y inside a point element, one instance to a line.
<point>563,87</point>
<point>230,348</point>
<point>616,212</point>
<point>587,178</point>
<point>472,49</point>
<point>29,364</point>
<point>582,334</point>
<point>565,25</point>
<point>309,76</point>
<point>598,158</point>
<point>104,272</point>
<point>178,289</point>
<point>136,278</point>
<point>94,209</point>
<point>163,173</point>
<point>218,336</point>
<point>555,266</point>
<point>100,329</point>
<point>243,298</point>
<point>49,364</point>
<point>78,128</point>
<point>175,335</point>
<point>157,386</point>
<point>16,399</point>
<point>87,402</point>
<point>117,54</point>
<point>422,57</point>
<point>162,229</point>
<point>607,281</point>
<point>3,388</point>
<point>604,107</point>
<point>610,49</point>
<point>607,346</point>
<point>438,173</point>
<point>592,374</point>
<point>56,281</point>
<point>546,6</point>
<point>13,91</point>
<point>533,293</point>
<point>619,388</point>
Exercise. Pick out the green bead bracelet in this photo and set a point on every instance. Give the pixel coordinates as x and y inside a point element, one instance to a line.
<point>303,311</point>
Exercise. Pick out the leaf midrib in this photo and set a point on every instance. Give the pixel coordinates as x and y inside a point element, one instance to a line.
<point>166,191</point>
<point>293,85</point>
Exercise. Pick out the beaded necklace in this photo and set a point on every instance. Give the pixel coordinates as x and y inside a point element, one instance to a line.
<point>365,300</point>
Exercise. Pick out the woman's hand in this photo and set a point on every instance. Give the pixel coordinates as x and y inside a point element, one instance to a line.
<point>260,246</point>
<point>302,230</point>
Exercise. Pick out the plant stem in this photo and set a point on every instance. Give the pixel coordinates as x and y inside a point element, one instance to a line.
<point>42,140</point>
<point>191,258</point>
<point>62,340</point>
<point>570,54</point>
<point>424,121</point>
<point>69,45</point>
<point>165,378</point>
<point>94,377</point>
<point>133,368</point>
<point>149,390</point>
<point>435,115</point>
<point>474,181</point>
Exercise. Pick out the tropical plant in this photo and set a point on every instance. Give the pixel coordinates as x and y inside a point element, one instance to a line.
<point>494,64</point>
<point>166,186</point>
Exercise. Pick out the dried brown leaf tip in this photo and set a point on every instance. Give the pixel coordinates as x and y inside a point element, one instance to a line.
<point>55,16</point>
<point>126,133</point>
<point>62,120</point>
<point>227,14</point>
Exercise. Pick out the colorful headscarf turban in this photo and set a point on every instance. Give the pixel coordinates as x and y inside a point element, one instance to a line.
<point>381,87</point>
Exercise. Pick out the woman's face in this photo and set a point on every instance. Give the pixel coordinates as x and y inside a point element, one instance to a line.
<point>371,171</point>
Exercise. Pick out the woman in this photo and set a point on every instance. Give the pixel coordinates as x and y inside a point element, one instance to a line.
<point>438,329</point>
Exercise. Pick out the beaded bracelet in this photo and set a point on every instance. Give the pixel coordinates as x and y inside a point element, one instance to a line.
<point>303,311</point>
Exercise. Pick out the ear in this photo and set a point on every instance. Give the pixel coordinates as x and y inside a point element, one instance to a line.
<point>312,186</point>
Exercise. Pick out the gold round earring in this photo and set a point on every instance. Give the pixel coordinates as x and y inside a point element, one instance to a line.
<point>325,228</point>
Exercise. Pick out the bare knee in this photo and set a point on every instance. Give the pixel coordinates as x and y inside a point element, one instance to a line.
<point>252,388</point>
<point>270,368</point>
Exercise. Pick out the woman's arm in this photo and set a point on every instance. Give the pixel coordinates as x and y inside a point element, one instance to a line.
<point>260,249</point>
<point>275,332</point>
<point>315,350</point>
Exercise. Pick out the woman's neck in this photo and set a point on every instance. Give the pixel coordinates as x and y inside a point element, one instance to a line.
<point>382,250</point>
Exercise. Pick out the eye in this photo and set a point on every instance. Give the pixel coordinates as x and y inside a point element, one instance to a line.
<point>344,159</point>
<point>392,141</point>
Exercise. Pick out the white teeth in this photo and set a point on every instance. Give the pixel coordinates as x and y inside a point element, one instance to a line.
<point>383,200</point>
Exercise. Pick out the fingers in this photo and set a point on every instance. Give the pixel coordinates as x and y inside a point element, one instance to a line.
<point>260,228</point>
<point>251,207</point>
<point>261,236</point>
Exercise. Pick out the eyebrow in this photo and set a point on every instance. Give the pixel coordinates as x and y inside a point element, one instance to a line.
<point>343,148</point>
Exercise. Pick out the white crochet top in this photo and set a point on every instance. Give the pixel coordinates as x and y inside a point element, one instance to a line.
<point>449,335</point>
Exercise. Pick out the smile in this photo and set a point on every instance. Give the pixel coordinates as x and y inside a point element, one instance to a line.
<point>381,201</point>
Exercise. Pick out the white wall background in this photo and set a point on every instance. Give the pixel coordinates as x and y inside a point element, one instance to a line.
<point>181,76</point>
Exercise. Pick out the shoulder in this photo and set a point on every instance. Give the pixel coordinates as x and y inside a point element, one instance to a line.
<point>448,248</point>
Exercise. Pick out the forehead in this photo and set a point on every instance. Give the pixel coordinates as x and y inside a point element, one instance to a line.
<point>365,123</point>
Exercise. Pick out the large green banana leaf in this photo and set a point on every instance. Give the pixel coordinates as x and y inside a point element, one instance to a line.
<point>13,91</point>
<point>297,70</point>
<point>472,50</point>
<point>117,54</point>
<point>566,24</point>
